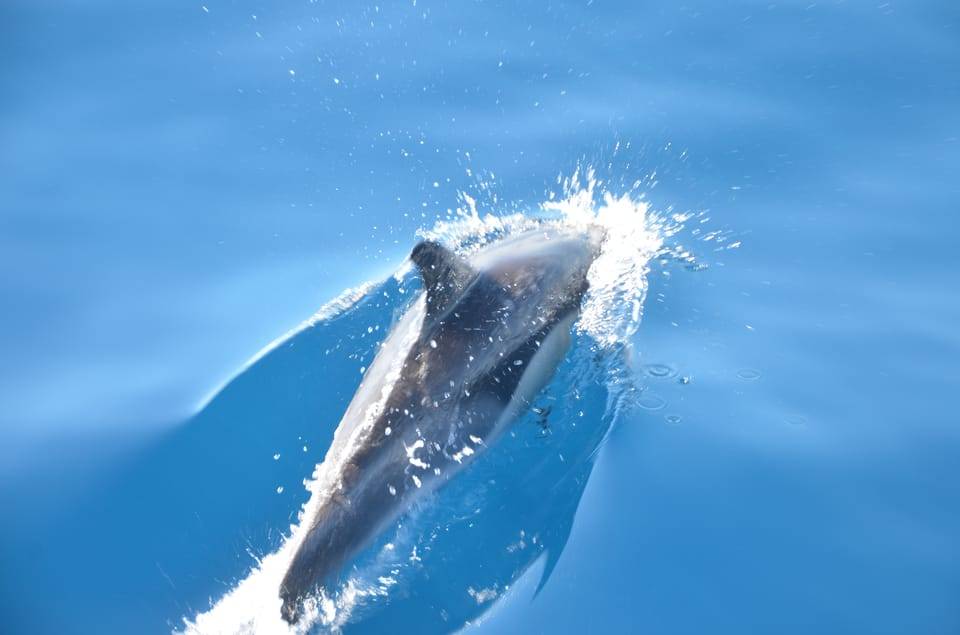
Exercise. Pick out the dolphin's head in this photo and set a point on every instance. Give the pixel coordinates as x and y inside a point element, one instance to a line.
<point>545,268</point>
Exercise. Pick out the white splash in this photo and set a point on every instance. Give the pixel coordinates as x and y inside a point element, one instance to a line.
<point>613,307</point>
<point>610,315</point>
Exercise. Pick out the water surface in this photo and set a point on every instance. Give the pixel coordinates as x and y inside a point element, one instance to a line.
<point>183,183</point>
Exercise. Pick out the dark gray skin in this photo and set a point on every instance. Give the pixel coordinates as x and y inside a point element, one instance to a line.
<point>493,332</point>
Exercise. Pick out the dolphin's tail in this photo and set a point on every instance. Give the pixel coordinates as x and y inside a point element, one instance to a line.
<point>341,528</point>
<point>328,543</point>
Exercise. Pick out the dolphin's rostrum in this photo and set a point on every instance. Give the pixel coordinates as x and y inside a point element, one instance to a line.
<point>459,366</point>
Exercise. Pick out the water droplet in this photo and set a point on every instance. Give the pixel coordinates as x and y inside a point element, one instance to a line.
<point>280,490</point>
<point>748,374</point>
<point>433,343</point>
<point>684,380</point>
<point>673,419</point>
<point>276,457</point>
<point>649,401</point>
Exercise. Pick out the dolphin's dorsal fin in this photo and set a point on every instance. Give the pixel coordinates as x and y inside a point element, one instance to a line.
<point>444,273</point>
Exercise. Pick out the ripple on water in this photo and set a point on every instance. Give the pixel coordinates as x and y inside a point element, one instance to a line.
<point>749,374</point>
<point>650,401</point>
<point>795,420</point>
<point>673,419</point>
<point>660,371</point>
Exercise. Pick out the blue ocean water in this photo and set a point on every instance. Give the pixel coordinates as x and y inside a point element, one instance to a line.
<point>183,183</point>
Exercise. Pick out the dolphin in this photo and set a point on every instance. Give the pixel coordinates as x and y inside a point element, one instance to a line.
<point>464,361</point>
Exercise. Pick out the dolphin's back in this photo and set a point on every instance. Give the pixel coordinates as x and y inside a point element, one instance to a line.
<point>467,357</point>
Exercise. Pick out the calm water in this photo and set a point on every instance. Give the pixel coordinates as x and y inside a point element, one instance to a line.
<point>183,183</point>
